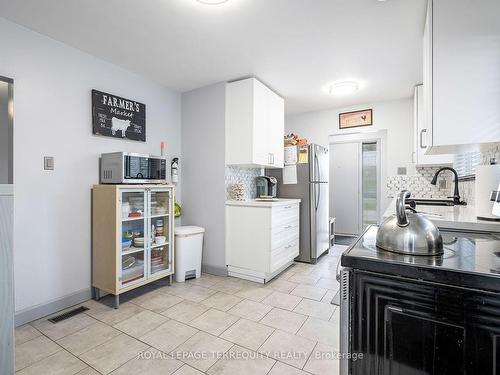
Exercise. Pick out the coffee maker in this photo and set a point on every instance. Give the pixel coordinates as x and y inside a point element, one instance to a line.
<point>266,186</point>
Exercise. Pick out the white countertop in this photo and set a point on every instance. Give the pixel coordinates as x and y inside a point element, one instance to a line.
<point>452,217</point>
<point>256,203</point>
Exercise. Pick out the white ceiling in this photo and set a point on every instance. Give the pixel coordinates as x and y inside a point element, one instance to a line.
<point>295,46</point>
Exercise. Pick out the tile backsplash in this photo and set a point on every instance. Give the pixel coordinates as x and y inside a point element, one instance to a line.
<point>245,176</point>
<point>420,184</point>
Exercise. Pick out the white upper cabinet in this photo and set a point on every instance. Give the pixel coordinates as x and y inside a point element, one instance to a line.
<point>461,74</point>
<point>421,135</point>
<point>255,125</point>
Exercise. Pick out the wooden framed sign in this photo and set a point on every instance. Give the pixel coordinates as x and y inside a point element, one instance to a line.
<point>354,119</point>
<point>113,116</point>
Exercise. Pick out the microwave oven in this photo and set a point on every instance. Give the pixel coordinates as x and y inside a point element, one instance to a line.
<point>132,168</point>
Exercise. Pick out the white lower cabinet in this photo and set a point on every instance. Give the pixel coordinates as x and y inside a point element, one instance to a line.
<point>262,238</point>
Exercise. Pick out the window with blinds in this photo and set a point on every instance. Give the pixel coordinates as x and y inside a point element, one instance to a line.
<point>465,164</point>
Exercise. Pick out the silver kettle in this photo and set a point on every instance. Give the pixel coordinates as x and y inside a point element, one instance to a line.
<point>409,233</point>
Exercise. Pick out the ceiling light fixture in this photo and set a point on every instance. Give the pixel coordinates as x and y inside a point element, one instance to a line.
<point>212,2</point>
<point>343,88</point>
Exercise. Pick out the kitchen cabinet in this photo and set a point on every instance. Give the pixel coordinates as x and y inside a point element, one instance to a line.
<point>254,125</point>
<point>132,236</point>
<point>421,135</point>
<point>262,238</point>
<point>405,326</point>
<point>461,77</point>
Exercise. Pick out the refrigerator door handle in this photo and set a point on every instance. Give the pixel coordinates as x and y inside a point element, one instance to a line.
<point>317,175</point>
<point>318,196</point>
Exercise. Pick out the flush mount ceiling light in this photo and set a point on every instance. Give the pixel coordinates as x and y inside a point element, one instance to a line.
<point>343,88</point>
<point>212,2</point>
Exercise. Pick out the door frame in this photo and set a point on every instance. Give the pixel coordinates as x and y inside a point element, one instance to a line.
<point>380,138</point>
<point>7,287</point>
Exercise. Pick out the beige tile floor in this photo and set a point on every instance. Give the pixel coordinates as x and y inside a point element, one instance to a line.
<point>212,325</point>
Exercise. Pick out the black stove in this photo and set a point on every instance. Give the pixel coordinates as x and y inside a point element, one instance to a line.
<point>470,259</point>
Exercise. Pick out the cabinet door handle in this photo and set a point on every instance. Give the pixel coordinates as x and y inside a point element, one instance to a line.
<point>288,207</point>
<point>271,158</point>
<point>288,246</point>
<point>422,138</point>
<point>288,227</point>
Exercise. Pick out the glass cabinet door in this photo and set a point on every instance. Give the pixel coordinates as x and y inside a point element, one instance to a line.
<point>161,238</point>
<point>133,236</point>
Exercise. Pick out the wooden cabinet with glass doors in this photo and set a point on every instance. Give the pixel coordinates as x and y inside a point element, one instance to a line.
<point>132,236</point>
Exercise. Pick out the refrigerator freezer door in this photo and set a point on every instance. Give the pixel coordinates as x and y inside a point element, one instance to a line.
<point>319,162</point>
<point>319,219</point>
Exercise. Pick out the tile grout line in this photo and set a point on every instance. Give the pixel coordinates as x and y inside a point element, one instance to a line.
<point>187,324</point>
<point>310,354</point>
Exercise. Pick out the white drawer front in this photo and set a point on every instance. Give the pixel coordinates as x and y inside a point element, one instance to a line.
<point>284,214</point>
<point>284,254</point>
<point>283,234</point>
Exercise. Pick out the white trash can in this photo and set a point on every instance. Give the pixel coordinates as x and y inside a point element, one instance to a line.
<point>188,249</point>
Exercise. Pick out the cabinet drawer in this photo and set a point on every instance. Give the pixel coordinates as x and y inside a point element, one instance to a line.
<point>283,234</point>
<point>284,254</point>
<point>284,214</point>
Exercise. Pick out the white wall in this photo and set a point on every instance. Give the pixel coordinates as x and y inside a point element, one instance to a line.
<point>52,116</point>
<point>394,116</point>
<point>203,186</point>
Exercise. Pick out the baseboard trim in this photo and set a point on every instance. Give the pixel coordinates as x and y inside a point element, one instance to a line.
<point>214,270</point>
<point>33,313</point>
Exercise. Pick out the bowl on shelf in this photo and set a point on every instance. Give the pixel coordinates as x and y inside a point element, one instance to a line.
<point>139,242</point>
<point>127,236</point>
<point>160,240</point>
<point>126,243</point>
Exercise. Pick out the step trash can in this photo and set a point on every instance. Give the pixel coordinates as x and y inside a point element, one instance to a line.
<point>188,250</point>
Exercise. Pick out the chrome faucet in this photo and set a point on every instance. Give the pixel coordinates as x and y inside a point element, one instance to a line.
<point>456,195</point>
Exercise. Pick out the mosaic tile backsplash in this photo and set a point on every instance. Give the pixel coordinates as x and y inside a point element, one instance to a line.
<point>245,176</point>
<point>420,186</point>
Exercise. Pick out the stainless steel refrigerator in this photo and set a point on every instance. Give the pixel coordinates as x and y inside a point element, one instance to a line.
<point>312,189</point>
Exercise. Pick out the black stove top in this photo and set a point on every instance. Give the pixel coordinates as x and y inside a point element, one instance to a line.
<point>470,259</point>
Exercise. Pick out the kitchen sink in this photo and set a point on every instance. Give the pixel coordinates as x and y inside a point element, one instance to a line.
<point>431,202</point>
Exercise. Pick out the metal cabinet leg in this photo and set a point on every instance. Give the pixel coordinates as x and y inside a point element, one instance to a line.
<point>117,301</point>
<point>97,294</point>
<point>170,279</point>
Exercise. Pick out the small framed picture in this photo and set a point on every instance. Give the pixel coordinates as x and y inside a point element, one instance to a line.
<point>354,119</point>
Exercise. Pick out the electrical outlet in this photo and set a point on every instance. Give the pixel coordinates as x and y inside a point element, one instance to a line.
<point>48,163</point>
<point>402,171</point>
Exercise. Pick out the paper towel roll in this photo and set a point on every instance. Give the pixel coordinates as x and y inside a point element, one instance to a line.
<point>487,180</point>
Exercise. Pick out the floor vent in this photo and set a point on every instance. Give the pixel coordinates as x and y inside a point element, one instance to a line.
<point>68,314</point>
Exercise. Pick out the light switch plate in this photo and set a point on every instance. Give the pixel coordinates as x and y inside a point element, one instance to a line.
<point>48,163</point>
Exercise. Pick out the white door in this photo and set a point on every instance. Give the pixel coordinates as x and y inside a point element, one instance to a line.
<point>345,187</point>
